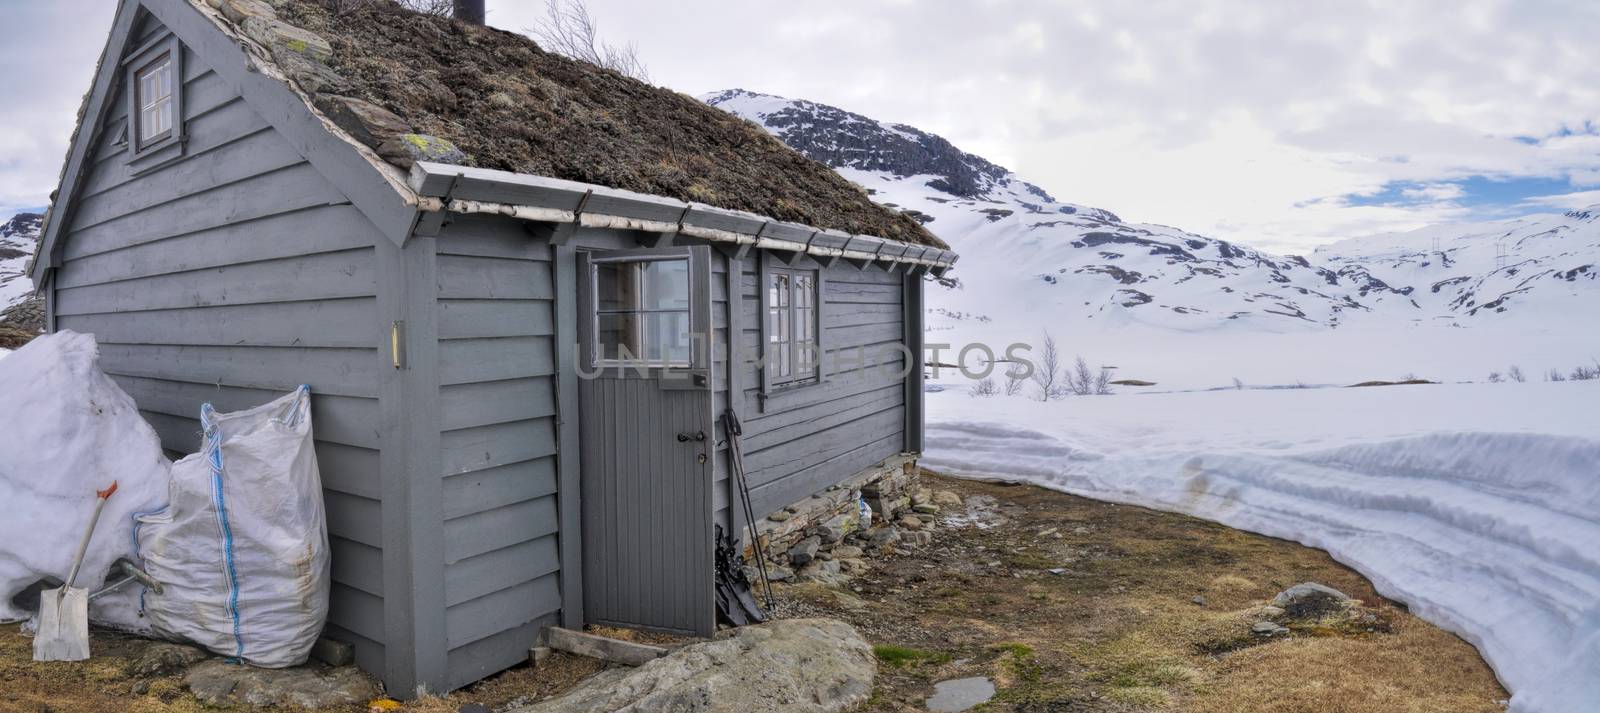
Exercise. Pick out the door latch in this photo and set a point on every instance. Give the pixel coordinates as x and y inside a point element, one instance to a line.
<point>696,436</point>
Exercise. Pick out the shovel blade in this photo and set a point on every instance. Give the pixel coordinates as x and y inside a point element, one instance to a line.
<point>63,633</point>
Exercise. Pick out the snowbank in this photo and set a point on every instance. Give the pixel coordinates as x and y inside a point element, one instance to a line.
<point>66,429</point>
<point>1477,506</point>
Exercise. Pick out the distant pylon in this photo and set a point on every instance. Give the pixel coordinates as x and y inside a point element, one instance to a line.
<point>1499,255</point>
<point>1436,243</point>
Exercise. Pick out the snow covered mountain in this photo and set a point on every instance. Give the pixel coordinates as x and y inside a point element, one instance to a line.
<point>1027,255</point>
<point>18,237</point>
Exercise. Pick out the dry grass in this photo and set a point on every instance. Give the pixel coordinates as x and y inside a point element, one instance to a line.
<point>1119,630</point>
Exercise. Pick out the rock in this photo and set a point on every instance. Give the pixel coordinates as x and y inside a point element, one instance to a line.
<point>923,496</point>
<point>919,538</point>
<point>910,522</point>
<point>829,573</point>
<point>804,551</point>
<point>779,516</point>
<point>778,573</point>
<point>367,122</point>
<point>281,37</point>
<point>1057,570</point>
<point>845,552</point>
<point>474,708</point>
<point>1266,628</point>
<point>237,11</point>
<point>1309,600</point>
<point>1199,600</point>
<point>1271,612</point>
<point>883,536</point>
<point>853,565</point>
<point>926,509</point>
<point>802,665</point>
<point>160,658</point>
<point>924,517</point>
<point>217,683</point>
<point>947,499</point>
<point>837,527</point>
<point>406,149</point>
<point>333,652</point>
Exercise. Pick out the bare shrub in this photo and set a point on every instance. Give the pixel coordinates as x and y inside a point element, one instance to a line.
<point>568,29</point>
<point>441,8</point>
<point>1515,374</point>
<point>1586,373</point>
<point>1495,377</point>
<point>1080,380</point>
<point>1015,379</point>
<point>1238,384</point>
<point>1555,375</point>
<point>984,387</point>
<point>1102,382</point>
<point>1048,368</point>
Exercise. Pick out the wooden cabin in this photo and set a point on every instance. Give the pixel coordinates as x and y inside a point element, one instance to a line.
<point>523,290</point>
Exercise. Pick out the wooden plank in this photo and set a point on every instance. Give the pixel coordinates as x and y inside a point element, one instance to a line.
<point>569,467</point>
<point>491,530</point>
<point>251,155</point>
<point>350,469</point>
<point>489,403</point>
<point>791,456</point>
<point>204,95</point>
<point>581,643</point>
<point>310,277</point>
<point>491,572</point>
<point>354,518</point>
<point>357,611</point>
<point>840,292</point>
<point>485,657</point>
<point>463,361</point>
<point>915,313</point>
<point>337,419</point>
<point>321,323</point>
<point>318,229</point>
<point>281,191</point>
<point>863,314</point>
<point>473,449</point>
<point>801,420</point>
<point>345,372</point>
<point>465,277</point>
<point>468,319</point>
<point>803,482</point>
<point>507,608</point>
<point>357,565</point>
<point>491,236</point>
<point>489,488</point>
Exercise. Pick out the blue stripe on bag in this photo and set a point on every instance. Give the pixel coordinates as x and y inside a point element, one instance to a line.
<point>213,447</point>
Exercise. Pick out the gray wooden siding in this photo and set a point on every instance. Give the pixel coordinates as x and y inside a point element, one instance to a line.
<point>231,276</point>
<point>798,442</point>
<point>498,442</point>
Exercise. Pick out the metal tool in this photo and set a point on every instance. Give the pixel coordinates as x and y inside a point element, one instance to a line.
<point>734,430</point>
<point>63,633</point>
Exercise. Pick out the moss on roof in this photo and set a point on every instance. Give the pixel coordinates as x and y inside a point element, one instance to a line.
<point>509,105</point>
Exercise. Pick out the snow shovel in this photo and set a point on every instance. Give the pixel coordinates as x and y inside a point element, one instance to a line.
<point>63,632</point>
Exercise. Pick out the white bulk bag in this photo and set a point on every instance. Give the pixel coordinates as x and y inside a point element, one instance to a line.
<point>242,547</point>
<point>67,430</point>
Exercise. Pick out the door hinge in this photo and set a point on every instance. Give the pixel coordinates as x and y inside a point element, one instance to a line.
<point>397,344</point>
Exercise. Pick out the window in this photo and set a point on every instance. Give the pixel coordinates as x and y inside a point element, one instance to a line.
<point>793,355</point>
<point>153,98</point>
<point>641,311</point>
<point>153,91</point>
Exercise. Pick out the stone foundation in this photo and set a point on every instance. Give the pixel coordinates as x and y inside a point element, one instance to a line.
<point>822,522</point>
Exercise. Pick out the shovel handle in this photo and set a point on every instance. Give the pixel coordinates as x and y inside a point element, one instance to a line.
<point>83,545</point>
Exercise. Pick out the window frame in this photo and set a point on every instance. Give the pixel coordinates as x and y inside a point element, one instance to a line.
<point>597,358</point>
<point>588,317</point>
<point>771,267</point>
<point>170,144</point>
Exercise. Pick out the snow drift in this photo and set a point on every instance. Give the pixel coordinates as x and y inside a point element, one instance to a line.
<point>1491,535</point>
<point>67,430</point>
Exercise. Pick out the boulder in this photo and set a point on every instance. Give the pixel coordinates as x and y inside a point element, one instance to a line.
<point>795,665</point>
<point>159,658</point>
<point>1310,600</point>
<point>367,122</point>
<point>946,498</point>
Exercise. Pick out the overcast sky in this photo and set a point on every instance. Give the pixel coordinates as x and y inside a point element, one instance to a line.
<point>1275,123</point>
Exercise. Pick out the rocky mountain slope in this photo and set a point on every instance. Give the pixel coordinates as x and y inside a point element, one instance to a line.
<point>18,238</point>
<point>1026,254</point>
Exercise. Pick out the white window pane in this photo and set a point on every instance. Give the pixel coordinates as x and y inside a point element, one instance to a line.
<point>617,336</point>
<point>781,283</point>
<point>616,286</point>
<point>666,284</point>
<point>772,325</point>
<point>666,337</point>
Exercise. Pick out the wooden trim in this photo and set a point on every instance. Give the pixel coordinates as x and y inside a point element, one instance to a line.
<point>569,473</point>
<point>914,314</point>
<point>734,277</point>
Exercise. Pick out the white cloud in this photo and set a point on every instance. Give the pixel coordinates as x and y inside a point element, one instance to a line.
<point>1434,192</point>
<point>1567,201</point>
<point>1243,119</point>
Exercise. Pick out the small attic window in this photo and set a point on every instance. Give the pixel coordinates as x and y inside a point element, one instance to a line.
<point>154,90</point>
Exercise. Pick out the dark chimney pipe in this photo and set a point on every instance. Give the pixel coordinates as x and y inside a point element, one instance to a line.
<point>470,11</point>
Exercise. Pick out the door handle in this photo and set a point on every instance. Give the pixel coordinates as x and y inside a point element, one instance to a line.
<point>696,436</point>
